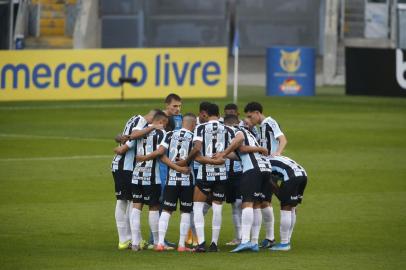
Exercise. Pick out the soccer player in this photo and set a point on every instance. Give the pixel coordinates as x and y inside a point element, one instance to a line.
<point>254,180</point>
<point>122,168</point>
<point>293,179</point>
<point>173,104</point>
<point>146,181</point>
<point>209,138</point>
<point>203,117</point>
<point>233,193</point>
<point>179,184</point>
<point>272,138</point>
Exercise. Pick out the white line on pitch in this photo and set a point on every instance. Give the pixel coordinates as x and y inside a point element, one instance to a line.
<point>54,158</point>
<point>28,136</point>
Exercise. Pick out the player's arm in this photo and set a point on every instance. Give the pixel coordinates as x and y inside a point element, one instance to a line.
<point>197,146</point>
<point>282,144</point>
<point>235,144</point>
<point>206,160</point>
<point>170,164</point>
<point>253,149</point>
<point>157,153</point>
<point>121,150</point>
<point>121,138</point>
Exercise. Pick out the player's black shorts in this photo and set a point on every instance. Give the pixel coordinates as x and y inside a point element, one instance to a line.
<point>148,195</point>
<point>266,188</point>
<point>255,186</point>
<point>233,188</point>
<point>122,184</point>
<point>215,188</point>
<point>173,193</point>
<point>291,191</point>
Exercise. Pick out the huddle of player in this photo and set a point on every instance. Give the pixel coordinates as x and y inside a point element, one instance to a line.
<point>201,162</point>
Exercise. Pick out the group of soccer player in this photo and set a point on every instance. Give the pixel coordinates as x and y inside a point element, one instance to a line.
<point>202,161</point>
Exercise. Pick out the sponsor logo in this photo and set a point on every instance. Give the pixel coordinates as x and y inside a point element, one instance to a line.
<point>290,86</point>
<point>290,61</point>
<point>186,203</point>
<point>216,174</point>
<point>400,69</point>
<point>169,204</point>
<point>94,74</point>
<point>218,195</point>
<point>293,198</point>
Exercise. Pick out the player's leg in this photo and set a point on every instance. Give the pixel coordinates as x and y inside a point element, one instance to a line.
<point>250,187</point>
<point>199,197</point>
<point>153,192</point>
<point>231,198</point>
<point>217,204</point>
<point>169,201</point>
<point>288,194</point>
<point>122,210</point>
<point>256,225</point>
<point>186,206</point>
<point>268,217</point>
<point>135,218</point>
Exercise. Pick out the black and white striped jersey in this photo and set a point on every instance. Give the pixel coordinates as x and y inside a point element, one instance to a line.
<point>147,172</point>
<point>233,166</point>
<point>126,162</point>
<point>269,131</point>
<point>286,168</point>
<point>178,144</point>
<point>253,160</point>
<point>215,137</point>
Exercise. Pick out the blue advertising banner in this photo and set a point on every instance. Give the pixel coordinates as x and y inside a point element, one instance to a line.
<point>290,71</point>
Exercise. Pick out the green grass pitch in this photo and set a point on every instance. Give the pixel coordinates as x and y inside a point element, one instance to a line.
<point>57,199</point>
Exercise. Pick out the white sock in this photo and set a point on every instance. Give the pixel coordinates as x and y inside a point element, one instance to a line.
<point>236,212</point>
<point>183,228</point>
<point>199,220</point>
<point>128,218</point>
<point>292,225</point>
<point>206,208</point>
<point>216,222</point>
<point>247,217</point>
<point>135,223</point>
<point>256,226</point>
<point>122,221</point>
<point>286,221</point>
<point>192,223</point>
<point>163,226</point>
<point>153,219</point>
<point>269,222</point>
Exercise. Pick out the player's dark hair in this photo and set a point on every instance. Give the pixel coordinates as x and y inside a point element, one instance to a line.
<point>213,110</point>
<point>171,97</point>
<point>252,107</point>
<point>231,119</point>
<point>231,106</point>
<point>159,115</point>
<point>204,106</point>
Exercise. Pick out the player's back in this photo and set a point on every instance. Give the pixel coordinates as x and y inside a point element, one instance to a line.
<point>286,168</point>
<point>215,137</point>
<point>179,145</point>
<point>148,171</point>
<point>269,131</point>
<point>252,160</point>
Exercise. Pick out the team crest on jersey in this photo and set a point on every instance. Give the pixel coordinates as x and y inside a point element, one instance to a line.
<point>290,61</point>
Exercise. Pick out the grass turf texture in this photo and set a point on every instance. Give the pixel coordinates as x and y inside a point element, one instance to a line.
<point>58,213</point>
